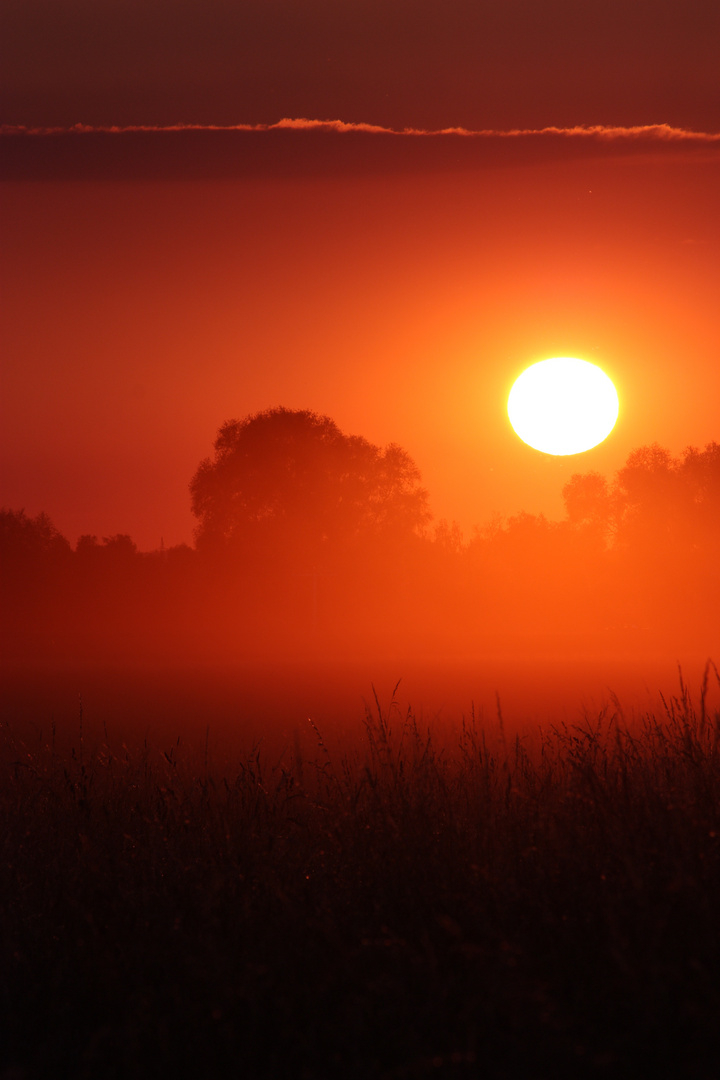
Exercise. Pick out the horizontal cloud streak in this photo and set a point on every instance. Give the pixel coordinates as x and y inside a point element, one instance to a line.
<point>302,148</point>
<point>650,132</point>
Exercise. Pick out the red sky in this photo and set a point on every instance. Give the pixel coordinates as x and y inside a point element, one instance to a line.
<point>476,63</point>
<point>154,286</point>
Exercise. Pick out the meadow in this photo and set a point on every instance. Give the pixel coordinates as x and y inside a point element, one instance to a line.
<point>406,899</point>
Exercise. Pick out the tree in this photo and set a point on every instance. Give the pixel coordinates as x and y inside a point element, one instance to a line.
<point>119,546</point>
<point>32,550</point>
<point>291,478</point>
<point>655,499</point>
<point>586,499</point>
<point>648,495</point>
<point>700,471</point>
<point>24,538</point>
<point>34,562</point>
<point>662,517</point>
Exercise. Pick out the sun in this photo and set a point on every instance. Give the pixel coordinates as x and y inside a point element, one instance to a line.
<point>563,405</point>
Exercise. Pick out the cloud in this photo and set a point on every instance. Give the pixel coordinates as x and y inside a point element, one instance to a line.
<point>641,132</point>
<point>296,148</point>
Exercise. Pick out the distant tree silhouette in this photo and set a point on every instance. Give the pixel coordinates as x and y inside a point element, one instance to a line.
<point>661,516</point>
<point>293,479</point>
<point>587,501</point>
<point>119,546</point>
<point>308,536</point>
<point>650,500</point>
<point>25,540</point>
<point>664,501</point>
<point>700,472</point>
<point>34,562</point>
<point>701,468</point>
<point>448,537</point>
<point>87,545</point>
<point>33,555</point>
<point>655,499</point>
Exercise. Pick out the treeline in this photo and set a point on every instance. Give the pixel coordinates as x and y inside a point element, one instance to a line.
<point>310,540</point>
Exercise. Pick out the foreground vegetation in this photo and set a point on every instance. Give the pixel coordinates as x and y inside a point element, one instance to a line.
<point>416,904</point>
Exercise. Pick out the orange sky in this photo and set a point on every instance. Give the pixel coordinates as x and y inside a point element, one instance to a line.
<point>401,299</point>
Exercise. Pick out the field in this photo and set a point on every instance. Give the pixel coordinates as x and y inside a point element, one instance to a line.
<point>407,898</point>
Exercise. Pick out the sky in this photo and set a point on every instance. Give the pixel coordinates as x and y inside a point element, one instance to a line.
<point>397,63</point>
<point>156,283</point>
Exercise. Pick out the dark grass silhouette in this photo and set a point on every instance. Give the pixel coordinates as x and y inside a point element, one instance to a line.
<point>415,903</point>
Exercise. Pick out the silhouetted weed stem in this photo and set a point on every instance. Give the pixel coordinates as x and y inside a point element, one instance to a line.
<point>565,881</point>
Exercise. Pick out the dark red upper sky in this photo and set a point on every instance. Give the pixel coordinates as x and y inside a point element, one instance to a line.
<point>425,63</point>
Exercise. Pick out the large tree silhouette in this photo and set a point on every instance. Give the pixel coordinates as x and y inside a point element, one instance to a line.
<point>292,479</point>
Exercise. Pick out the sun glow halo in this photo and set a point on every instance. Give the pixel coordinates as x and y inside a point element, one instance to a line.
<point>563,405</point>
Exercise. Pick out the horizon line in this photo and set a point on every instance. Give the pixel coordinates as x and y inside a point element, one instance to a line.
<point>600,132</point>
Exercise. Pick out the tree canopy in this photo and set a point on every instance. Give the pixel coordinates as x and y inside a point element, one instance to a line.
<point>293,474</point>
<point>25,540</point>
<point>654,500</point>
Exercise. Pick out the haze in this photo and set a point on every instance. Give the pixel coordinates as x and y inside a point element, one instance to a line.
<point>141,313</point>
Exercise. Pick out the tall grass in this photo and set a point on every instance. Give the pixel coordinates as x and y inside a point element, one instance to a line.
<point>417,902</point>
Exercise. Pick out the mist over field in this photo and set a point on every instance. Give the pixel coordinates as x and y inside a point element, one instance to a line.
<point>318,574</point>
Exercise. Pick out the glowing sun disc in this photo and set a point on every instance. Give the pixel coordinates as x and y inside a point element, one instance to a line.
<point>563,405</point>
